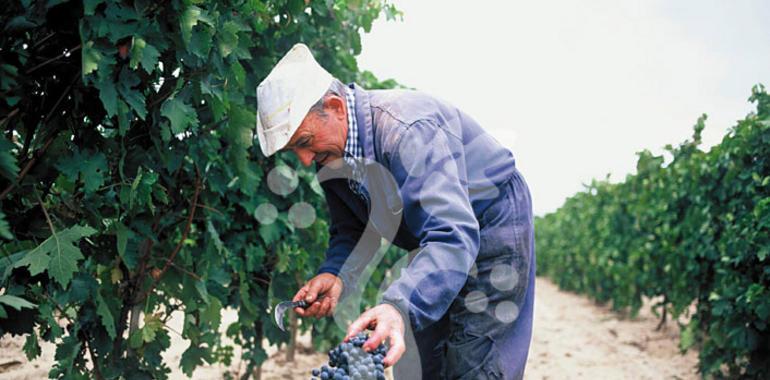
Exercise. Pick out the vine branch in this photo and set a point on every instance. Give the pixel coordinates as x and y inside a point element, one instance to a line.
<point>210,209</point>
<point>48,142</point>
<point>170,259</point>
<point>27,167</point>
<point>45,212</point>
<point>97,371</point>
<point>42,41</point>
<point>8,117</point>
<point>185,271</point>
<point>58,57</point>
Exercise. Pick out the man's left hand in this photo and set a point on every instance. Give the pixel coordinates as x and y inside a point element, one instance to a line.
<point>387,322</point>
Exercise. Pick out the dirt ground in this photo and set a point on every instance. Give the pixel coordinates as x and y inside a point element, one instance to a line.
<point>573,339</point>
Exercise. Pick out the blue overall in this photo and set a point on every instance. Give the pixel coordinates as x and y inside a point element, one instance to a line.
<point>439,186</point>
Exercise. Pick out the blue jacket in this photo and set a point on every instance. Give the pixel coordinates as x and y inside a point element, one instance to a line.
<point>431,173</point>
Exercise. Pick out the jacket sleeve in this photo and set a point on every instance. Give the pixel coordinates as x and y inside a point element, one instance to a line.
<point>344,232</point>
<point>351,245</point>
<point>428,165</point>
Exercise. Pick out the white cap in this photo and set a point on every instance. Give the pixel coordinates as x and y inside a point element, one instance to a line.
<point>286,95</point>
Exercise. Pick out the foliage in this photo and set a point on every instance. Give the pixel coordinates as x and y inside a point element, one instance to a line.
<point>130,181</point>
<point>694,231</point>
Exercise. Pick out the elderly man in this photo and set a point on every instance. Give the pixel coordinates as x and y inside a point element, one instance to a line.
<point>424,175</point>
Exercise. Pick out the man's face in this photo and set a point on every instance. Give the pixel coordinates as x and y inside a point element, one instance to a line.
<point>321,138</point>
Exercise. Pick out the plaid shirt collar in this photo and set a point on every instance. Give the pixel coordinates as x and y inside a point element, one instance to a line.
<point>353,149</point>
<point>354,153</point>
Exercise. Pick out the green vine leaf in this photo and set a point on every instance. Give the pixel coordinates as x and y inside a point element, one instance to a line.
<point>90,57</point>
<point>124,235</point>
<point>269,233</point>
<point>108,95</point>
<point>180,115</point>
<point>58,255</point>
<point>8,167</point>
<point>89,168</point>
<point>89,6</point>
<point>187,21</point>
<point>17,303</point>
<point>31,347</point>
<point>5,229</point>
<point>152,324</point>
<point>144,54</point>
<point>191,358</point>
<point>124,152</point>
<point>105,315</point>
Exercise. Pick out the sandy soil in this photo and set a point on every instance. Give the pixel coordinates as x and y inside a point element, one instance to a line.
<point>573,339</point>
<point>14,365</point>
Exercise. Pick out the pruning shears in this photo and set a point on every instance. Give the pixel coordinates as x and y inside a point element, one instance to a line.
<point>280,310</point>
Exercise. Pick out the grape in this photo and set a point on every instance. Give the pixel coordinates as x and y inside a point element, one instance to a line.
<point>348,361</point>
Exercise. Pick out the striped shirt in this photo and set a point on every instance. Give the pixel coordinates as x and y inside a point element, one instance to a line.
<point>353,151</point>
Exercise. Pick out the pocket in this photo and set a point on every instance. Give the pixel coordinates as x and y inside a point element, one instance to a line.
<point>476,357</point>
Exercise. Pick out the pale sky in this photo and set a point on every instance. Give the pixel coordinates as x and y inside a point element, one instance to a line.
<point>576,88</point>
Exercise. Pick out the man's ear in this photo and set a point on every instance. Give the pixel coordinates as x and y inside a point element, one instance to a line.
<point>335,105</point>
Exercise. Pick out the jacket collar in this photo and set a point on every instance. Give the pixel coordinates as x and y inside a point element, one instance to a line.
<point>364,120</point>
<point>375,179</point>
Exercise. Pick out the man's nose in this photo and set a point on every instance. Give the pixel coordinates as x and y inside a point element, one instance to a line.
<point>305,156</point>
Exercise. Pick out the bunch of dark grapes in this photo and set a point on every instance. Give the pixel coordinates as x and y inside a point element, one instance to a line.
<point>349,361</point>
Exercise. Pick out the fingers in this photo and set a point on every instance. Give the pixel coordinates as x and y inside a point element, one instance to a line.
<point>323,307</point>
<point>397,348</point>
<point>314,310</point>
<point>321,293</point>
<point>300,295</point>
<point>314,287</point>
<point>380,333</point>
<point>327,306</point>
<point>333,303</point>
<point>360,324</point>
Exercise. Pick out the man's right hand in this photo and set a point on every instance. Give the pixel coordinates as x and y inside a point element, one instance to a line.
<point>325,284</point>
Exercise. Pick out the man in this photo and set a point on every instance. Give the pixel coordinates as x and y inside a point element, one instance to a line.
<point>424,175</point>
